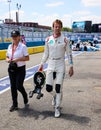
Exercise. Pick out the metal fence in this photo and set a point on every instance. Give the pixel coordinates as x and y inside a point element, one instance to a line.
<point>36,34</point>
<point>30,33</point>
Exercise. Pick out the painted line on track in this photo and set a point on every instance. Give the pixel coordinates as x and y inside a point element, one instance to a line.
<point>5,82</point>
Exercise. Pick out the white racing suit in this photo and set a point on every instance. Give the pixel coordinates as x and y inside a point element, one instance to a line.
<point>55,49</point>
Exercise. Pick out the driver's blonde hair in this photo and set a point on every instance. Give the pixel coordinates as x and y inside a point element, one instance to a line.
<point>57,21</point>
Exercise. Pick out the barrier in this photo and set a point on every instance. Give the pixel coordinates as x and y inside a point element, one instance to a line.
<point>7,40</point>
<point>0,40</point>
<point>31,50</point>
<point>35,43</point>
<point>3,54</point>
<point>5,45</point>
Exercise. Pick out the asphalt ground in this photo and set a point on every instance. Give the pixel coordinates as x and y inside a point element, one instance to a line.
<point>81,104</point>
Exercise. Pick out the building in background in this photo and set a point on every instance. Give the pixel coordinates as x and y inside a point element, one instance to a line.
<point>31,30</point>
<point>27,24</point>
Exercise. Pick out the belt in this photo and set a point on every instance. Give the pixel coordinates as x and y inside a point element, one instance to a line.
<point>56,58</point>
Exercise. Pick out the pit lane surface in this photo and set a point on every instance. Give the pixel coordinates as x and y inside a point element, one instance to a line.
<point>5,83</point>
<point>81,106</point>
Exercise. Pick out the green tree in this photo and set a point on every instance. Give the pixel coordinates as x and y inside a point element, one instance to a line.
<point>67,29</point>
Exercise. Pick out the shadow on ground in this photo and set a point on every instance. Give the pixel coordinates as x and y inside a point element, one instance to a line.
<point>24,112</point>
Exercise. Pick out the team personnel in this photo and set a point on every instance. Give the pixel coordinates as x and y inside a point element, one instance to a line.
<point>16,56</point>
<point>55,47</point>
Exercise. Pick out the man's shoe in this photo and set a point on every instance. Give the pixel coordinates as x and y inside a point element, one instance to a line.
<point>57,112</point>
<point>26,104</point>
<point>13,108</point>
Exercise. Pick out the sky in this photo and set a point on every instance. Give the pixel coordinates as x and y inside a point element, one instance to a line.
<point>44,12</point>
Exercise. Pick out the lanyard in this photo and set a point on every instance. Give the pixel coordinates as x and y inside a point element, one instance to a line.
<point>13,51</point>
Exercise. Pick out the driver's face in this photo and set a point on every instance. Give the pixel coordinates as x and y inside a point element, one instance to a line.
<point>57,28</point>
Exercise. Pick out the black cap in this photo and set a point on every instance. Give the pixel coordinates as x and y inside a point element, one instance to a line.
<point>15,33</point>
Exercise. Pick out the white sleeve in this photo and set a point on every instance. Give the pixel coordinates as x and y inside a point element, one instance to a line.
<point>46,52</point>
<point>69,51</point>
<point>25,51</point>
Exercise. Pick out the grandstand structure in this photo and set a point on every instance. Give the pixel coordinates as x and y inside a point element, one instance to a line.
<point>32,31</point>
<point>35,32</point>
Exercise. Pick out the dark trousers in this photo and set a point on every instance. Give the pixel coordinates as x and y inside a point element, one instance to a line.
<point>16,81</point>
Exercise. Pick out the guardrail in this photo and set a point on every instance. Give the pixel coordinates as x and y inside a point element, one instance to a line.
<point>31,50</point>
<point>5,45</point>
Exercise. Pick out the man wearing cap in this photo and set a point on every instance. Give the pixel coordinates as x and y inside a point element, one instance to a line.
<point>16,56</point>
